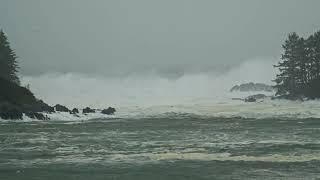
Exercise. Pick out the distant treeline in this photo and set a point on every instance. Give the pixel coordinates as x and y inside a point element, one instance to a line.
<point>299,68</point>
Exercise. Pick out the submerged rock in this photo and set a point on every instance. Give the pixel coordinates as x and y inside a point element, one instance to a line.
<point>109,111</point>
<point>88,110</point>
<point>290,97</point>
<point>255,98</point>
<point>61,108</point>
<point>237,99</point>
<point>250,99</point>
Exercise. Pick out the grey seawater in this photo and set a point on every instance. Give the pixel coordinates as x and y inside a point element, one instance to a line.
<point>174,146</point>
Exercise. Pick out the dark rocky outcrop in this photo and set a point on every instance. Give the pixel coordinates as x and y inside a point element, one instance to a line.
<point>38,106</point>
<point>12,114</point>
<point>252,87</point>
<point>41,106</point>
<point>16,95</point>
<point>74,111</point>
<point>16,100</point>
<point>88,110</point>
<point>61,108</point>
<point>34,115</point>
<point>8,111</point>
<point>109,111</point>
<point>250,99</point>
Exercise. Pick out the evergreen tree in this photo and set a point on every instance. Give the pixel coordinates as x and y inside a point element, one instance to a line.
<point>299,67</point>
<point>302,61</point>
<point>291,68</point>
<point>8,60</point>
<point>313,46</point>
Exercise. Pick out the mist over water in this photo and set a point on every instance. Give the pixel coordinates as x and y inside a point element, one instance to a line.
<point>146,95</point>
<point>148,89</point>
<point>167,67</point>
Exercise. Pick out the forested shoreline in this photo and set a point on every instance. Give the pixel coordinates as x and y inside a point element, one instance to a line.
<point>298,78</point>
<point>299,68</point>
<point>16,100</point>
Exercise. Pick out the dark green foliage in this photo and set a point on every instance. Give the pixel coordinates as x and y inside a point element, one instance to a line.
<point>299,67</point>
<point>313,49</point>
<point>8,60</point>
<point>13,100</point>
<point>14,94</point>
<point>14,97</point>
<point>312,90</point>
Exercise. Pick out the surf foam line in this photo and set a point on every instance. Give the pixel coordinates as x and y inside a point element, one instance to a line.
<point>170,156</point>
<point>275,109</point>
<point>218,157</point>
<point>205,108</point>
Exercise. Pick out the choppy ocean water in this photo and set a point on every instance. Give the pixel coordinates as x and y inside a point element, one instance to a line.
<point>183,128</point>
<point>172,145</point>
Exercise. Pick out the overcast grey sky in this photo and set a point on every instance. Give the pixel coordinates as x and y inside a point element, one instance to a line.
<point>117,37</point>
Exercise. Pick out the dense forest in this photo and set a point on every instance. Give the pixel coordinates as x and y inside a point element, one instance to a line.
<point>299,68</point>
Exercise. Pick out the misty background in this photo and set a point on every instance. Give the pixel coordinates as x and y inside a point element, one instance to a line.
<point>167,37</point>
<point>116,52</point>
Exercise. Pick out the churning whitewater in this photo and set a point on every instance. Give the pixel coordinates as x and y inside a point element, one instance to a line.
<point>163,129</point>
<point>171,146</point>
<point>159,90</point>
<point>139,96</point>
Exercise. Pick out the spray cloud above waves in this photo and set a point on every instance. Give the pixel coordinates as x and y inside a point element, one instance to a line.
<point>75,89</point>
<point>149,52</point>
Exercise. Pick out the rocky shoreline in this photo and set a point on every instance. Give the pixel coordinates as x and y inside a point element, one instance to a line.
<point>9,112</point>
<point>17,102</point>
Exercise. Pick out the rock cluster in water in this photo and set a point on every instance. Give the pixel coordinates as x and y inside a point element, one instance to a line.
<point>109,111</point>
<point>252,87</point>
<point>88,110</point>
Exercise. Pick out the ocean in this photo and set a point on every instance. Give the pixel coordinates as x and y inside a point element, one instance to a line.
<point>179,129</point>
<point>267,140</point>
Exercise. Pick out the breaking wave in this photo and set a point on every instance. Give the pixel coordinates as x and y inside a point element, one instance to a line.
<point>145,95</point>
